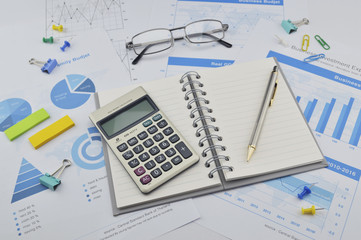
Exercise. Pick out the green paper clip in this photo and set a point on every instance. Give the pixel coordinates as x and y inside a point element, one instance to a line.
<point>322,42</point>
<point>52,182</point>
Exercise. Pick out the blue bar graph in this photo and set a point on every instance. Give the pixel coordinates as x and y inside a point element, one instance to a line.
<point>309,109</point>
<point>325,116</point>
<point>340,126</point>
<point>356,133</point>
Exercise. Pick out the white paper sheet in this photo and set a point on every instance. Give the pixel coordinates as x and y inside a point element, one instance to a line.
<point>328,92</point>
<point>80,208</point>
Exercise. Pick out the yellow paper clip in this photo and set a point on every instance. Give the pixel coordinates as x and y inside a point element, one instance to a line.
<point>305,42</point>
<point>322,42</point>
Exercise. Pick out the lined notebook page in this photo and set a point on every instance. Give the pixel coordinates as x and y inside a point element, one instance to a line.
<point>168,96</point>
<point>236,94</point>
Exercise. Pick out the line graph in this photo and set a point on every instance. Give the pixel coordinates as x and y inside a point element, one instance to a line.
<point>78,16</point>
<point>81,15</point>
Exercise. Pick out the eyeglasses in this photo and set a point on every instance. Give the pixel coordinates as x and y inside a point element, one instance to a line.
<point>160,39</point>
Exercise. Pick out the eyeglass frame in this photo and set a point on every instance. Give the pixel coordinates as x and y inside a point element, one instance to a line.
<point>129,45</point>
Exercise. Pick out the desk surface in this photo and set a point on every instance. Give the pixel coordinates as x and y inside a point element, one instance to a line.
<point>335,19</point>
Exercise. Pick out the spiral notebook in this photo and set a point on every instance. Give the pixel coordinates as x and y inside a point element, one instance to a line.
<point>215,110</point>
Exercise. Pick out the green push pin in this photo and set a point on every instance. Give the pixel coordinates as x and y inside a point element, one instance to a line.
<point>48,40</point>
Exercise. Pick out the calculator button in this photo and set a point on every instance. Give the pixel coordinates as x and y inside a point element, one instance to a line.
<point>157,117</point>
<point>145,179</point>
<point>122,147</point>
<point>154,150</point>
<point>152,129</point>
<point>142,135</point>
<point>132,141</point>
<point>127,155</point>
<point>139,171</point>
<point>170,152</point>
<point>157,137</point>
<point>177,160</point>
<point>133,163</point>
<point>138,149</point>
<point>144,156</point>
<point>147,143</point>
<point>149,165</point>
<point>164,144</point>
<point>162,124</point>
<point>166,166</point>
<point>156,172</point>
<point>183,150</point>
<point>168,131</point>
<point>174,138</point>
<point>160,158</point>
<point>147,123</point>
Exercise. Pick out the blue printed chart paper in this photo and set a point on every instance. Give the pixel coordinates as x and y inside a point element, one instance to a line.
<point>80,208</point>
<point>328,93</point>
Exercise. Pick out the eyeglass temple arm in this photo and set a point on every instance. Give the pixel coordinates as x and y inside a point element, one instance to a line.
<point>140,55</point>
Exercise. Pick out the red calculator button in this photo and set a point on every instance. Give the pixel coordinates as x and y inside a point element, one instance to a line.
<point>145,179</point>
<point>139,171</point>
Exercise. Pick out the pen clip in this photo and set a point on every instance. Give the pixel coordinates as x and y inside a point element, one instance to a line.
<point>274,90</point>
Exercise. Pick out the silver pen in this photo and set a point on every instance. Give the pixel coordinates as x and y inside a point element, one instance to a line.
<point>267,102</point>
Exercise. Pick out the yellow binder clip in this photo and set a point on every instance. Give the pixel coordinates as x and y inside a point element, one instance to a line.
<point>305,42</point>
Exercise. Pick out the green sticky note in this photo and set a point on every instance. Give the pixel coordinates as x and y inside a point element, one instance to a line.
<point>26,124</point>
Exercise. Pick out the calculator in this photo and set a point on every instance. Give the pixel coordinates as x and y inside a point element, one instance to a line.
<point>145,141</point>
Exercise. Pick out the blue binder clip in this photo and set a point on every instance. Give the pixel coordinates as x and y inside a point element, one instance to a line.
<point>291,27</point>
<point>51,181</point>
<point>47,66</point>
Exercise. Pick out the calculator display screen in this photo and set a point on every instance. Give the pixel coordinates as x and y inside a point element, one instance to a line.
<point>127,117</point>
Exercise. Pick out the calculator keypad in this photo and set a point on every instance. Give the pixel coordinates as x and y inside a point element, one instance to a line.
<point>155,151</point>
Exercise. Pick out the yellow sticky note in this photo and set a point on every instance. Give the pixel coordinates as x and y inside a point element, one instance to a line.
<point>51,132</point>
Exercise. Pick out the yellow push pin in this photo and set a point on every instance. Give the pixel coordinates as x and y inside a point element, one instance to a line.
<point>58,28</point>
<point>311,210</point>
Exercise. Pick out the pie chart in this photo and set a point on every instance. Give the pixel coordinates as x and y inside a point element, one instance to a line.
<point>13,110</point>
<point>72,92</point>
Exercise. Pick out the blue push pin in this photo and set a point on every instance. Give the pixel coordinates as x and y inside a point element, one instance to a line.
<point>66,44</point>
<point>306,191</point>
<point>47,66</point>
<point>52,182</point>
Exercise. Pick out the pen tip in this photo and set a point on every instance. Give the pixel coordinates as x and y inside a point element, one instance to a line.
<point>251,150</point>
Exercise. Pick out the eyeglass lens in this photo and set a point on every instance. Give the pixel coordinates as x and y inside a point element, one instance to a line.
<point>152,41</point>
<point>204,31</point>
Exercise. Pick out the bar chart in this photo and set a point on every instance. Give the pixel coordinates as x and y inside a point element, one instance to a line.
<point>332,107</point>
<point>343,117</point>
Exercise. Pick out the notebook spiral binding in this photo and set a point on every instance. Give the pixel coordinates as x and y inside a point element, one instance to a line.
<point>196,103</point>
